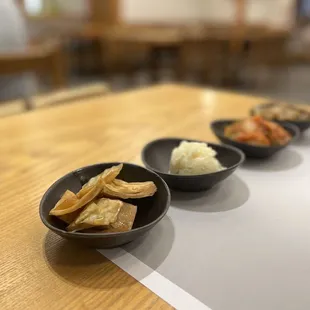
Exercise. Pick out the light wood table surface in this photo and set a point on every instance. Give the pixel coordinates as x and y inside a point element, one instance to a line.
<point>39,270</point>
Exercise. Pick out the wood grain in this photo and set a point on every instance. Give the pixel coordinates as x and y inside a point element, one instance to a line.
<point>38,269</point>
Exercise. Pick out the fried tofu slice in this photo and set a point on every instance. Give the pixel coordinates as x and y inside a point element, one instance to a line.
<point>89,195</point>
<point>89,192</point>
<point>107,176</point>
<point>125,219</point>
<point>68,199</point>
<point>101,213</point>
<point>125,190</point>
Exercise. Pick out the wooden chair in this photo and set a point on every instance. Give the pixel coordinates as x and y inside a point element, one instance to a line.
<point>43,57</point>
<point>127,48</point>
<point>70,95</point>
<point>12,107</point>
<point>55,98</point>
<point>205,51</point>
<point>267,52</point>
<point>119,56</point>
<point>266,46</point>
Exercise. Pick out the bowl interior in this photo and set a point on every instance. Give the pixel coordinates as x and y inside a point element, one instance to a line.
<point>218,128</point>
<point>302,125</point>
<point>149,209</point>
<point>156,155</point>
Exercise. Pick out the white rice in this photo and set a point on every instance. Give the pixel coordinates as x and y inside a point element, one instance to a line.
<point>194,158</point>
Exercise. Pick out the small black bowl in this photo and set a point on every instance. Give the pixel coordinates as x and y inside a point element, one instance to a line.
<point>150,210</point>
<point>301,125</point>
<point>254,151</point>
<point>156,156</point>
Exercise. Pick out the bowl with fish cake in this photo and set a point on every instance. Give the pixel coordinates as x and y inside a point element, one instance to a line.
<point>252,150</point>
<point>296,114</point>
<point>105,205</point>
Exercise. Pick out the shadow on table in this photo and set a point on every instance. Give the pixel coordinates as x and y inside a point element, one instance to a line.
<point>229,195</point>
<point>282,161</point>
<point>82,266</point>
<point>304,139</point>
<point>153,248</point>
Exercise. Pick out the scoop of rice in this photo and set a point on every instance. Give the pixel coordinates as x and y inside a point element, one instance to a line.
<point>192,158</point>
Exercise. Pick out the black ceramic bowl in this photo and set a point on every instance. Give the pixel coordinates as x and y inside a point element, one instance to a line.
<point>156,156</point>
<point>251,150</point>
<point>301,125</point>
<point>150,210</point>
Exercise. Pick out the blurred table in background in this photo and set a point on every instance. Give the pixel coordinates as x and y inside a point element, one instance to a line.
<point>44,56</point>
<point>210,46</point>
<point>207,47</point>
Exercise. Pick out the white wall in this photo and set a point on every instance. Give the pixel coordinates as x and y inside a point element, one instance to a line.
<point>34,7</point>
<point>273,12</point>
<point>78,8</point>
<point>221,11</point>
<point>171,11</point>
<point>141,11</point>
<point>74,7</point>
<point>277,13</point>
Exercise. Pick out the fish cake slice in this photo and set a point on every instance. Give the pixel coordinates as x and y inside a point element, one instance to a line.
<point>101,213</point>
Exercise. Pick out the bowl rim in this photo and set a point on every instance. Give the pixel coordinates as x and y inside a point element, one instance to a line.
<point>293,127</point>
<point>225,146</point>
<point>100,235</point>
<point>266,104</point>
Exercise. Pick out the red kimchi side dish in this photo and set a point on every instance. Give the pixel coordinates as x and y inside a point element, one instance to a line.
<point>257,131</point>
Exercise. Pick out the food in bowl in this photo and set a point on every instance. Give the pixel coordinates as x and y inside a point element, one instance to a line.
<point>99,205</point>
<point>283,112</point>
<point>194,158</point>
<point>257,131</point>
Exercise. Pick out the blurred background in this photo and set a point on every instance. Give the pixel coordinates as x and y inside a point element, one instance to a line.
<point>53,51</point>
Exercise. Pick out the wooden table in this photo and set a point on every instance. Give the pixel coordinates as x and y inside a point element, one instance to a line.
<point>39,270</point>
